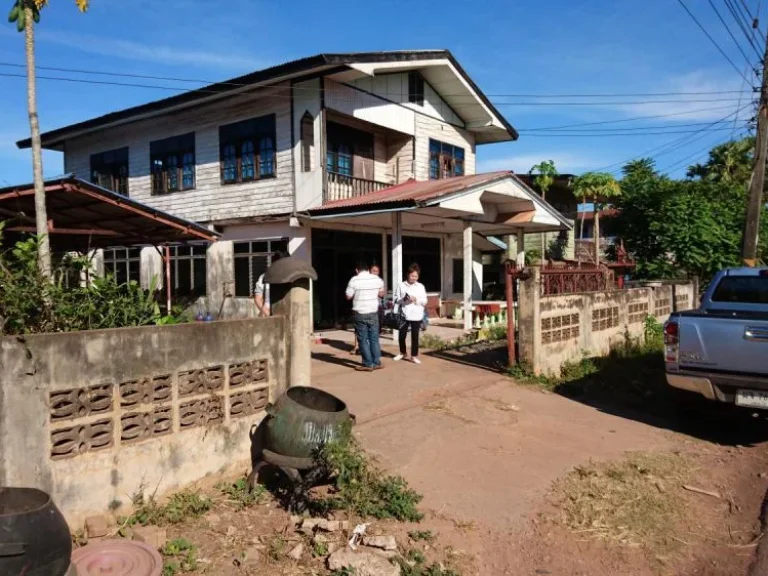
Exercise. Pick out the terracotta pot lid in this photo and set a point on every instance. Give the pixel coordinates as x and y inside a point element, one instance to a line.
<point>117,558</point>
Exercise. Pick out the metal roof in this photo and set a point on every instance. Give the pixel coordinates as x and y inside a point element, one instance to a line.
<point>82,215</point>
<point>413,192</point>
<point>290,70</point>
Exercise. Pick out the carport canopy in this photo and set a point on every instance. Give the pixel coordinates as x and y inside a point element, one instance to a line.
<point>83,216</point>
<point>490,204</point>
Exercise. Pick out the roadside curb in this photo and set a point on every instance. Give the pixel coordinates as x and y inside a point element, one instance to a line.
<point>759,566</point>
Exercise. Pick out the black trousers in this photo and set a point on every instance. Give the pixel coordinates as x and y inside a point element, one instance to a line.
<point>415,328</point>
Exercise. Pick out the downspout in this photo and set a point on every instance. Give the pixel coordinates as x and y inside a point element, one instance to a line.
<point>293,151</point>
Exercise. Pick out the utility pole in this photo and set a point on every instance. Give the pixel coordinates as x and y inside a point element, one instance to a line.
<point>757,183</point>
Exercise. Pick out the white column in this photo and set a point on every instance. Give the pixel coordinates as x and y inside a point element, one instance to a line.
<point>384,259</point>
<point>468,275</point>
<point>520,248</point>
<point>397,255</point>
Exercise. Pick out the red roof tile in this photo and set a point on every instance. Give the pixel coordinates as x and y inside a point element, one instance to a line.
<point>413,192</point>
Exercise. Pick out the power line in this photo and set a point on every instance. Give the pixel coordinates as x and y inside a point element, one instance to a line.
<point>738,71</point>
<point>615,134</point>
<point>728,29</point>
<point>629,129</point>
<point>698,110</point>
<point>748,22</point>
<point>744,27</point>
<point>243,85</point>
<point>707,149</point>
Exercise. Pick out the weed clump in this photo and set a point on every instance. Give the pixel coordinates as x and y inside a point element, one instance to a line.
<point>180,556</point>
<point>241,494</point>
<point>180,507</point>
<point>415,564</point>
<point>360,487</point>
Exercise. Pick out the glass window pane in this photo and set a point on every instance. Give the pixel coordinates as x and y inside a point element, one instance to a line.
<point>173,173</point>
<point>200,280</point>
<point>262,247</point>
<point>134,273</point>
<point>182,284</point>
<point>266,157</point>
<point>242,247</point>
<point>242,278</point>
<point>229,171</point>
<point>188,171</point>
<point>434,146</point>
<point>248,160</point>
<point>434,168</point>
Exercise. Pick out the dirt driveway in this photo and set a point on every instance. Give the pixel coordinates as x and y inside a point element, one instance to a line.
<point>485,453</point>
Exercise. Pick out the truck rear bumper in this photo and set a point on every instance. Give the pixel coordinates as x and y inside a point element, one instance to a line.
<point>693,384</point>
<point>716,386</point>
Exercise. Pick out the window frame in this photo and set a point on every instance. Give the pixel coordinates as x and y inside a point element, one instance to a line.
<point>131,254</point>
<point>307,137</point>
<point>448,161</point>
<point>190,257</point>
<point>115,165</point>
<point>416,88</point>
<point>273,245</point>
<point>169,159</point>
<point>235,136</point>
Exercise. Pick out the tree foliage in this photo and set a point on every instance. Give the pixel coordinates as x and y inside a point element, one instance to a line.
<point>18,14</point>
<point>545,175</point>
<point>690,227</point>
<point>598,187</point>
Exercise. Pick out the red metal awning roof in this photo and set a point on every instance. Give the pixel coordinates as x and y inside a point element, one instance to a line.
<point>413,192</point>
<point>82,215</point>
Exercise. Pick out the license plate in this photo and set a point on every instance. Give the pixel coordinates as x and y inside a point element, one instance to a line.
<point>752,398</point>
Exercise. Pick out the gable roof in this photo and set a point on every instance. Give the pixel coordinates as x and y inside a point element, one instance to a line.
<point>319,63</point>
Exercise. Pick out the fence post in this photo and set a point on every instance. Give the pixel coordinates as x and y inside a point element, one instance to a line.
<point>529,319</point>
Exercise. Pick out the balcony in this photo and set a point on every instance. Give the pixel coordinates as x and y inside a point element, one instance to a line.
<point>342,187</point>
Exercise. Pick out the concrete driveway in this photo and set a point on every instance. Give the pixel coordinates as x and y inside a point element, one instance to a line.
<point>474,443</point>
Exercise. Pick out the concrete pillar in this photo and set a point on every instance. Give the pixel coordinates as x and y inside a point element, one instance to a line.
<point>520,256</point>
<point>384,259</point>
<point>529,320</point>
<point>468,276</point>
<point>151,267</point>
<point>220,277</point>
<point>289,281</point>
<point>397,255</point>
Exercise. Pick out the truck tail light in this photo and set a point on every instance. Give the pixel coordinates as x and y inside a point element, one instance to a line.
<point>671,342</point>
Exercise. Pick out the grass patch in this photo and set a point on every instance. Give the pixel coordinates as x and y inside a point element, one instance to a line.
<point>631,501</point>
<point>319,549</point>
<point>179,556</point>
<point>414,563</point>
<point>180,507</point>
<point>421,535</point>
<point>359,486</point>
<point>276,547</point>
<point>240,494</point>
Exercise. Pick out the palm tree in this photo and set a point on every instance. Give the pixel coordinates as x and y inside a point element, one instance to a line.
<point>599,187</point>
<point>26,13</point>
<point>545,177</point>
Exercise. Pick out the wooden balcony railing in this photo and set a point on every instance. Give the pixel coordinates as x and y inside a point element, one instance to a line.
<point>341,187</point>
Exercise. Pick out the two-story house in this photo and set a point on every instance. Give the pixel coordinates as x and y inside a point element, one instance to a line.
<point>332,158</point>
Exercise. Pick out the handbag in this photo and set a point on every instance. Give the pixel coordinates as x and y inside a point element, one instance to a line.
<point>394,318</point>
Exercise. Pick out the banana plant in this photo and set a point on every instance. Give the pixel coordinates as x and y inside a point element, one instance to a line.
<point>25,14</point>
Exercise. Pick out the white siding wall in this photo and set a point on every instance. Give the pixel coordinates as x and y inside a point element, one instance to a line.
<point>309,185</point>
<point>209,201</point>
<point>369,108</point>
<point>427,128</point>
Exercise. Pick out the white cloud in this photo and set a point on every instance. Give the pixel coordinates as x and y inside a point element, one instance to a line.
<point>521,163</point>
<point>130,50</point>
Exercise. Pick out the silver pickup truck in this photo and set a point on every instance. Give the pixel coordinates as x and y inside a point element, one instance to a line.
<point>720,350</point>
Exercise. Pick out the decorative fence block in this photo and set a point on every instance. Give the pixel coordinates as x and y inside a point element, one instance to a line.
<point>200,412</point>
<point>248,403</point>
<point>637,312</point>
<point>138,426</point>
<point>682,302</point>
<point>68,442</point>
<point>202,400</point>
<point>80,402</point>
<point>247,373</point>
<point>147,390</point>
<point>662,307</point>
<point>201,381</point>
<point>605,318</point>
<point>559,328</point>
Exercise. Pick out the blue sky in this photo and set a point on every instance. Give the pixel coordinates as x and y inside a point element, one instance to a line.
<point>508,47</point>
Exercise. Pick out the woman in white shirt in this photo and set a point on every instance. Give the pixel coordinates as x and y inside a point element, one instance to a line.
<point>411,296</point>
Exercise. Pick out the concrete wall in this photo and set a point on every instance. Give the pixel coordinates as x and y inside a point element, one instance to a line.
<point>94,417</point>
<point>563,328</point>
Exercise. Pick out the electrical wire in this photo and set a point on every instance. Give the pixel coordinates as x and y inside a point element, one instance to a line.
<point>737,17</point>
<point>243,85</point>
<point>615,134</point>
<point>628,129</point>
<point>707,34</point>
<point>747,22</point>
<point>728,29</point>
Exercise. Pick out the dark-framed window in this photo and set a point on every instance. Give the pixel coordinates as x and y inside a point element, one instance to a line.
<point>173,164</point>
<point>247,150</point>
<point>458,275</point>
<point>252,258</point>
<point>445,160</point>
<point>307,141</point>
<point>349,151</point>
<point>188,270</point>
<point>416,88</point>
<point>110,170</point>
<point>123,263</point>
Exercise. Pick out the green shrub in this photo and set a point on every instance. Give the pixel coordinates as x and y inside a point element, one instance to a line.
<point>360,487</point>
<point>180,507</point>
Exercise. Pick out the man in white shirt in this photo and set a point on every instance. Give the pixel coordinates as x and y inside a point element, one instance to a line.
<point>365,290</point>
